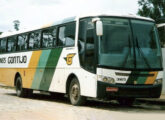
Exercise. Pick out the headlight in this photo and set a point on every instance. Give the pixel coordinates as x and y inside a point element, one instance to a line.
<point>106,79</point>
<point>158,81</point>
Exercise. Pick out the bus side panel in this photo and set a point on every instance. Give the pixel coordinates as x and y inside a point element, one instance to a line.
<point>87,80</point>
<point>69,64</point>
<point>45,69</point>
<point>59,77</point>
<point>40,69</point>
<point>29,72</point>
<point>7,75</point>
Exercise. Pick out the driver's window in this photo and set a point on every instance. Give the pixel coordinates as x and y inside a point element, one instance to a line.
<point>86,45</point>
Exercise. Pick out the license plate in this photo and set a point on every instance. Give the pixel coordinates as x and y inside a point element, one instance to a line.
<point>111,89</point>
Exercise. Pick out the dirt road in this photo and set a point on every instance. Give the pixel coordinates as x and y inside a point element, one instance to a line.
<point>43,107</point>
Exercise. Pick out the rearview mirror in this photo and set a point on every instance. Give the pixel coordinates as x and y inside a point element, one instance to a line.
<point>99,28</point>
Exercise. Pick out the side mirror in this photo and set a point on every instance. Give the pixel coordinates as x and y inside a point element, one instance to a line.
<point>99,28</point>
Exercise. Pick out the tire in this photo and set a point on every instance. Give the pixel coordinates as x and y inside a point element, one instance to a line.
<point>126,101</point>
<point>20,91</point>
<point>74,93</point>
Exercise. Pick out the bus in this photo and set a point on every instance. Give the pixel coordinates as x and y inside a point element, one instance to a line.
<point>100,56</point>
<point>161,30</point>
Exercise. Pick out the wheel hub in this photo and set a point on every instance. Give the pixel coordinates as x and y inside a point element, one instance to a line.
<point>75,92</point>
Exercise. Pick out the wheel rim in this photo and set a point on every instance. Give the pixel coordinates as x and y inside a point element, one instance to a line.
<point>74,93</point>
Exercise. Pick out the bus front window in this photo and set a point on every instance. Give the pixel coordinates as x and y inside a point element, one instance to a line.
<point>148,52</point>
<point>116,47</point>
<point>129,44</point>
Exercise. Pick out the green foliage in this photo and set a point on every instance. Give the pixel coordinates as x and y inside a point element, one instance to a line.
<point>0,33</point>
<point>16,24</point>
<point>154,9</point>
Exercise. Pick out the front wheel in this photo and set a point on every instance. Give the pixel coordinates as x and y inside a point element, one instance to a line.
<point>74,93</point>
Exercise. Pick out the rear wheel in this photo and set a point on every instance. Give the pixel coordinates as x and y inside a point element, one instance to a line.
<point>20,91</point>
<point>74,93</point>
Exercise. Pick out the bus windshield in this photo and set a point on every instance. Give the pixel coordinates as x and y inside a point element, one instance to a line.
<point>129,44</point>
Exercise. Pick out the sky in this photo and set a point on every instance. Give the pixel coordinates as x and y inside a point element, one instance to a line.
<point>33,13</point>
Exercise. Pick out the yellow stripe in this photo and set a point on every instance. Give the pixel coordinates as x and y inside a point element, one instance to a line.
<point>30,72</point>
<point>151,79</point>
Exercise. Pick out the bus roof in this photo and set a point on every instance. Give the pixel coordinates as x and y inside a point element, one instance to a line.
<point>115,15</point>
<point>71,19</point>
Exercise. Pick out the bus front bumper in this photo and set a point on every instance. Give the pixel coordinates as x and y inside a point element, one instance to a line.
<point>110,91</point>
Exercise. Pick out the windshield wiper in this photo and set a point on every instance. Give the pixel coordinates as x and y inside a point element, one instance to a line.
<point>142,54</point>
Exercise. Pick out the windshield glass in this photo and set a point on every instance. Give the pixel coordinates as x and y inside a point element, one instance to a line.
<point>130,44</point>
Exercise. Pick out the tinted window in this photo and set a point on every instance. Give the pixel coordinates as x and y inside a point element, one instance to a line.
<point>2,45</point>
<point>148,53</point>
<point>22,42</point>
<point>49,38</point>
<point>81,42</point>
<point>61,36</point>
<point>67,35</point>
<point>34,40</point>
<point>11,45</point>
<point>89,56</point>
<point>70,34</point>
<point>162,36</point>
<point>86,44</point>
<point>116,45</point>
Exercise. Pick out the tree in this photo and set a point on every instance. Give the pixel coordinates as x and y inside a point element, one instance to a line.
<point>154,9</point>
<point>16,24</point>
<point>0,33</point>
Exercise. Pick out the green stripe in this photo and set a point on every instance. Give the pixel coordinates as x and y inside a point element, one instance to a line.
<point>40,69</point>
<point>142,80</point>
<point>135,76</point>
<point>50,68</point>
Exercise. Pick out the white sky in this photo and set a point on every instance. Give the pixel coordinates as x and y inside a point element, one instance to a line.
<point>33,13</point>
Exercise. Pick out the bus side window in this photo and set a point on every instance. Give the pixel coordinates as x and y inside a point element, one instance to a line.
<point>0,46</point>
<point>3,45</point>
<point>22,42</point>
<point>161,31</point>
<point>61,36</point>
<point>54,35</point>
<point>70,34</point>
<point>11,44</point>
<point>34,40</point>
<point>89,54</point>
<point>86,45</point>
<point>49,38</point>
<point>81,42</point>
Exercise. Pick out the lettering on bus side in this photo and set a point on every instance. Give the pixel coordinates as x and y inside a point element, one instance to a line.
<point>17,59</point>
<point>3,60</point>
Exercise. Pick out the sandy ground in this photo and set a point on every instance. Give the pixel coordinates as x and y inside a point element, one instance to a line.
<point>44,107</point>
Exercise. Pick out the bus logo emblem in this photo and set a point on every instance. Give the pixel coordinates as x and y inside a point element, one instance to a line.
<point>69,58</point>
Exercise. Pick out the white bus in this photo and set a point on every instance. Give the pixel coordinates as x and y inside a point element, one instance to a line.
<point>97,56</point>
<point>161,30</point>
